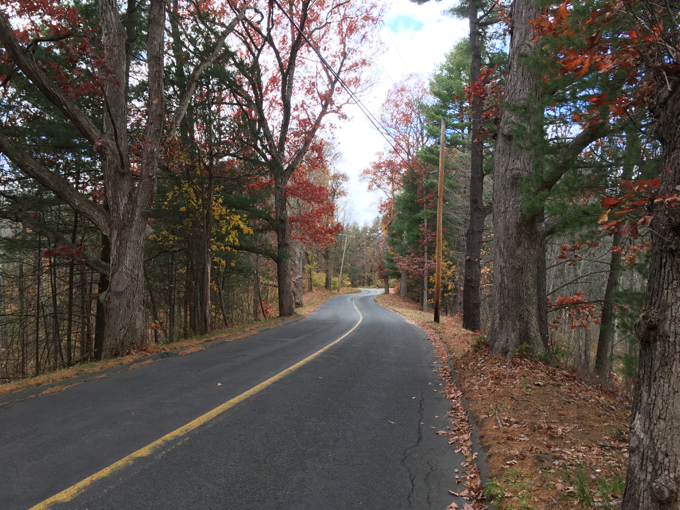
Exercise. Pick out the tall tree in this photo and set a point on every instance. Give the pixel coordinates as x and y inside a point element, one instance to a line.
<point>519,295</point>
<point>286,92</point>
<point>480,14</point>
<point>129,180</point>
<point>638,42</point>
<point>99,64</point>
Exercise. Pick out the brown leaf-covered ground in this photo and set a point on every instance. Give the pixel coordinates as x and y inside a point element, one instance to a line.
<point>552,439</point>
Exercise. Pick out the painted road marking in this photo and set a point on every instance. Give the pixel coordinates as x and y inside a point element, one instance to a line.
<point>73,491</point>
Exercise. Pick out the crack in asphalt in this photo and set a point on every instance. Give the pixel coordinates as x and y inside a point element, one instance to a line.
<point>407,452</point>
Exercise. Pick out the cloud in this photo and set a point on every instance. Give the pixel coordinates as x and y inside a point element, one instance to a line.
<point>403,23</point>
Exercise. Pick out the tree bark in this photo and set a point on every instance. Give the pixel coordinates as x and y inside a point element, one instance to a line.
<point>310,282</point>
<point>257,298</point>
<point>653,479</point>
<point>519,296</point>
<point>283,262</point>
<point>129,202</point>
<point>205,325</point>
<point>22,319</point>
<point>474,238</point>
<point>102,286</point>
<point>298,272</point>
<point>403,284</point>
<point>603,362</point>
<point>327,260</point>
<point>425,275</point>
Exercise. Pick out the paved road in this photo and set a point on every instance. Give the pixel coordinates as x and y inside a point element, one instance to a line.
<point>355,427</point>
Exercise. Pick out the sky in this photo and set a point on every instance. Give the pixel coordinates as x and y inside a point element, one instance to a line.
<point>416,39</point>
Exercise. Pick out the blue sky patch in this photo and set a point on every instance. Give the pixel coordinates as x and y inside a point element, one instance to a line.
<point>402,23</point>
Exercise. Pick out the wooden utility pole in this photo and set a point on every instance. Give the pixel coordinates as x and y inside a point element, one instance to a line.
<point>440,200</point>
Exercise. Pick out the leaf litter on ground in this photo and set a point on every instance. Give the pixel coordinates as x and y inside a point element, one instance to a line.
<point>560,444</point>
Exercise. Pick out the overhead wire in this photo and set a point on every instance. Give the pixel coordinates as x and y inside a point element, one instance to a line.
<point>372,119</point>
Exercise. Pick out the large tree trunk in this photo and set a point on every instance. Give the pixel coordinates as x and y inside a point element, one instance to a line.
<point>519,254</point>
<point>653,479</point>
<point>123,301</point>
<point>129,199</point>
<point>284,261</point>
<point>403,284</point>
<point>474,238</point>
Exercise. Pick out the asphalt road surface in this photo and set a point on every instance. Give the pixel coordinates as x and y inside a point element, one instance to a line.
<point>353,427</point>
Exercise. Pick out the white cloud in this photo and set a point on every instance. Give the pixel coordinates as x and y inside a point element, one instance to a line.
<point>410,50</point>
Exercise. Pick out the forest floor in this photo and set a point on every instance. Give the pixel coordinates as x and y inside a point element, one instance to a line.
<point>312,300</point>
<point>552,438</point>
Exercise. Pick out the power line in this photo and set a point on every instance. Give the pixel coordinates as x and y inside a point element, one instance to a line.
<point>372,119</point>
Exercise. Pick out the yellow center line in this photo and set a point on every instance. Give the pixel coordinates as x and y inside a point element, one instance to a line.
<point>73,491</point>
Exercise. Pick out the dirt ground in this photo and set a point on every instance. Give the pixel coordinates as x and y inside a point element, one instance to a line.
<point>552,439</point>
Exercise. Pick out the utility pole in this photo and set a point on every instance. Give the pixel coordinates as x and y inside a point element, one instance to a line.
<point>343,259</point>
<point>440,203</point>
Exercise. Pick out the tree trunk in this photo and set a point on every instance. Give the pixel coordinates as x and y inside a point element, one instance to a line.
<point>519,256</point>
<point>22,319</point>
<point>299,272</point>
<point>154,309</point>
<point>102,286</point>
<point>327,257</point>
<point>605,341</point>
<point>310,282</point>
<point>123,301</point>
<point>38,282</point>
<point>204,324</point>
<point>172,279</point>
<point>256,297</point>
<point>284,261</point>
<point>474,238</point>
<point>425,275</point>
<point>129,200</point>
<point>56,333</point>
<point>653,479</point>
<point>69,320</point>
<point>403,284</point>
